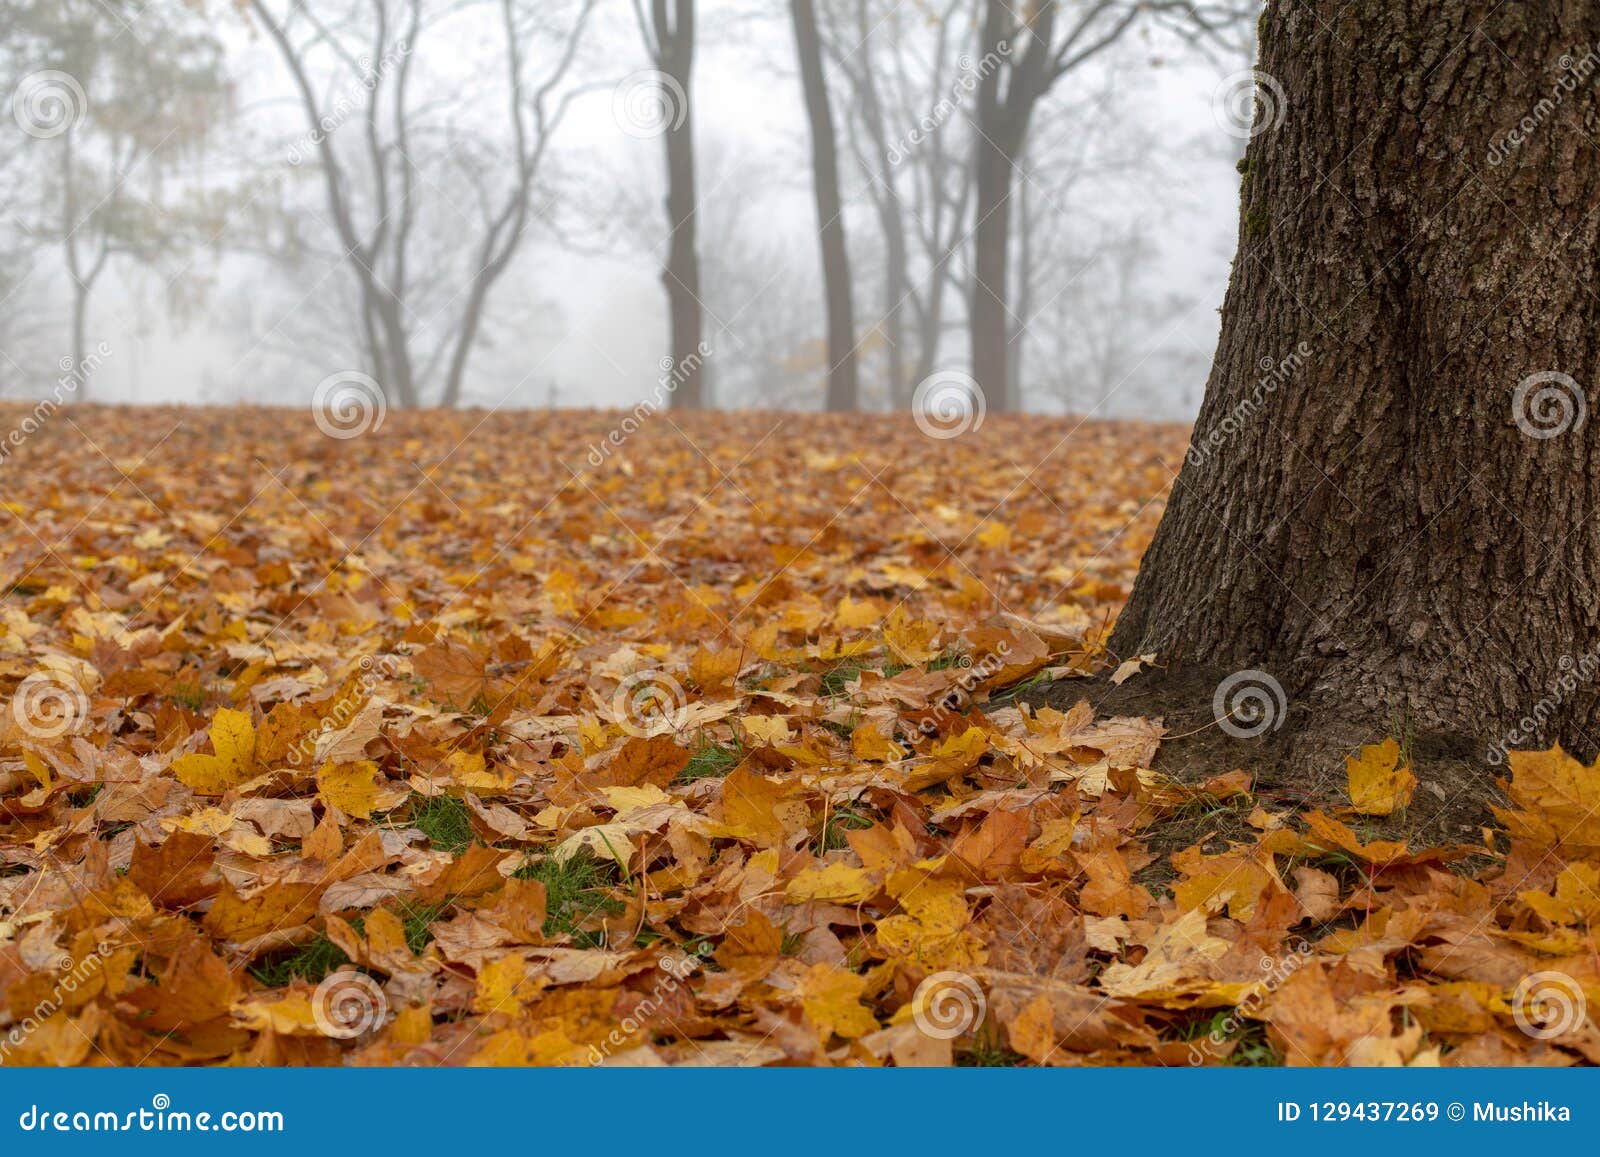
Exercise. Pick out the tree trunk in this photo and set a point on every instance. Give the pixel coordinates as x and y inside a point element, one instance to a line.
<point>1002,127</point>
<point>991,321</point>
<point>80,339</point>
<point>682,272</point>
<point>896,285</point>
<point>1018,346</point>
<point>843,393</point>
<point>1386,503</point>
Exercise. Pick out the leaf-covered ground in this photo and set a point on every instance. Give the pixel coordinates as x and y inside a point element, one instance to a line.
<point>498,740</point>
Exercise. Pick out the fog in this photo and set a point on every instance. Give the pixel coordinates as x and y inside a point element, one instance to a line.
<point>170,235</point>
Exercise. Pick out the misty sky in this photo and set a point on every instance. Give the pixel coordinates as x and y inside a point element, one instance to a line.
<point>582,318</point>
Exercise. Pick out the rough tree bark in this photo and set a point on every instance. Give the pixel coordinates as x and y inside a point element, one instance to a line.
<point>843,393</point>
<point>1371,511</point>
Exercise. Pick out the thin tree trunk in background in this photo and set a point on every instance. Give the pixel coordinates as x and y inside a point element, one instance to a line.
<point>1017,340</point>
<point>1383,507</point>
<point>682,274</point>
<point>843,389</point>
<point>80,343</point>
<point>1002,125</point>
<point>674,38</point>
<point>991,319</point>
<point>891,217</point>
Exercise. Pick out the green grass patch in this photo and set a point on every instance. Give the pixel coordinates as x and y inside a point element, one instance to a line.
<point>841,821</point>
<point>836,680</point>
<point>415,919</point>
<point>309,962</point>
<point>988,1051</point>
<point>575,892</point>
<point>445,820</point>
<point>1251,1048</point>
<point>710,761</point>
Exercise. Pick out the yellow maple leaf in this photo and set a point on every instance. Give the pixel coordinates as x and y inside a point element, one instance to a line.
<point>502,986</point>
<point>867,742</point>
<point>831,998</point>
<point>1379,782</point>
<point>233,741</point>
<point>350,787</point>
<point>910,640</point>
<point>1557,802</point>
<point>839,883</point>
<point>1576,899</point>
<point>932,926</point>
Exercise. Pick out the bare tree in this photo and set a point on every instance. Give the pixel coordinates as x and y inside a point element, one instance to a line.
<point>908,76</point>
<point>1032,47</point>
<point>843,387</point>
<point>116,108</point>
<point>374,50</point>
<point>669,36</point>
